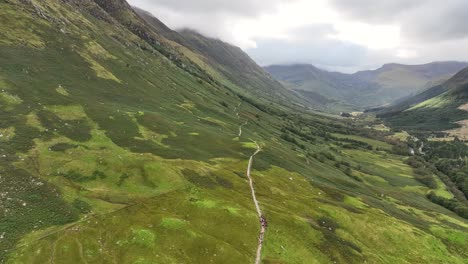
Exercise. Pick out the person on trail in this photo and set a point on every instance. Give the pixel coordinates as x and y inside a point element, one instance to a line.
<point>263,221</point>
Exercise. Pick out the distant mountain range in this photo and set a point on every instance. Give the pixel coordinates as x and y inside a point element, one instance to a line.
<point>333,91</point>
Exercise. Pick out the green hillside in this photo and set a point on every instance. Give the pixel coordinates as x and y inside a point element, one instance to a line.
<point>437,108</point>
<point>122,144</point>
<point>220,58</point>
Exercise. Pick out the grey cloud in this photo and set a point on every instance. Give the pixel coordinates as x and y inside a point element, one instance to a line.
<point>237,7</point>
<point>421,20</point>
<point>440,21</point>
<point>310,45</point>
<point>213,18</point>
<point>379,11</point>
<point>434,29</point>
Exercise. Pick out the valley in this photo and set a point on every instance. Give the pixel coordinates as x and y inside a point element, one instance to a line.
<point>124,141</point>
<point>336,92</point>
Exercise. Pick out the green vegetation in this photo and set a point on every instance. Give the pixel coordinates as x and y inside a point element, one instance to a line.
<point>147,167</point>
<point>435,109</point>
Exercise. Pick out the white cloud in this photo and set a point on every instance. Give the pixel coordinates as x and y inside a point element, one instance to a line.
<point>337,34</point>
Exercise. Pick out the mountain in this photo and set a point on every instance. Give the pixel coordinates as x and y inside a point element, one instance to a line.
<point>437,108</point>
<point>329,91</point>
<point>376,87</point>
<point>225,59</point>
<point>122,141</point>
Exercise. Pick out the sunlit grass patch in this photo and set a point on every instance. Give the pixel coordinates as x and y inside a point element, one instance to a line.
<point>172,223</point>
<point>143,237</point>
<point>148,134</point>
<point>33,120</point>
<point>356,202</point>
<point>187,105</point>
<point>67,112</point>
<point>9,101</point>
<point>381,127</point>
<point>402,136</point>
<point>233,210</point>
<point>206,203</point>
<point>442,189</point>
<point>436,102</point>
<point>214,121</point>
<point>100,70</point>
<point>7,133</point>
<point>61,90</point>
<point>250,145</point>
<point>98,51</point>
<point>454,236</point>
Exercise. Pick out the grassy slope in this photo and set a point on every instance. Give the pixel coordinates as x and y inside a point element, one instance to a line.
<point>218,57</point>
<point>139,162</point>
<point>434,109</point>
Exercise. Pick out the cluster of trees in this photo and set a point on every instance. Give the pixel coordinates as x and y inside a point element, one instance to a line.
<point>446,150</point>
<point>422,170</point>
<point>346,168</point>
<point>452,204</point>
<point>448,160</point>
<point>306,136</point>
<point>262,107</point>
<point>291,139</point>
<point>457,171</point>
<point>353,144</point>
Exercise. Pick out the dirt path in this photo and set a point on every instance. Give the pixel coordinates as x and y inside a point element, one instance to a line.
<point>257,207</point>
<point>261,218</point>
<point>240,128</point>
<point>236,110</point>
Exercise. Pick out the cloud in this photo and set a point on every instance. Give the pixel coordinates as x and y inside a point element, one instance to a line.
<point>381,11</point>
<point>314,45</point>
<point>345,35</point>
<point>246,8</point>
<point>214,18</point>
<point>422,20</point>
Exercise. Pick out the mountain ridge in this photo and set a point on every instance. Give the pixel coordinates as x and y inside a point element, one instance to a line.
<point>227,59</point>
<point>375,87</point>
<point>436,108</point>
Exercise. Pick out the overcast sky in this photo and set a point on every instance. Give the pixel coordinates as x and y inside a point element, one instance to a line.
<point>342,35</point>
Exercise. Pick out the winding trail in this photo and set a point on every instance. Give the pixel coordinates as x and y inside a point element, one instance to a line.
<point>240,128</point>
<point>236,110</point>
<point>257,207</point>
<point>261,218</point>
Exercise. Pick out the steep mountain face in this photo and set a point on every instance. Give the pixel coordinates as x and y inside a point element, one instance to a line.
<point>234,64</point>
<point>377,87</point>
<point>121,144</point>
<point>437,108</point>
